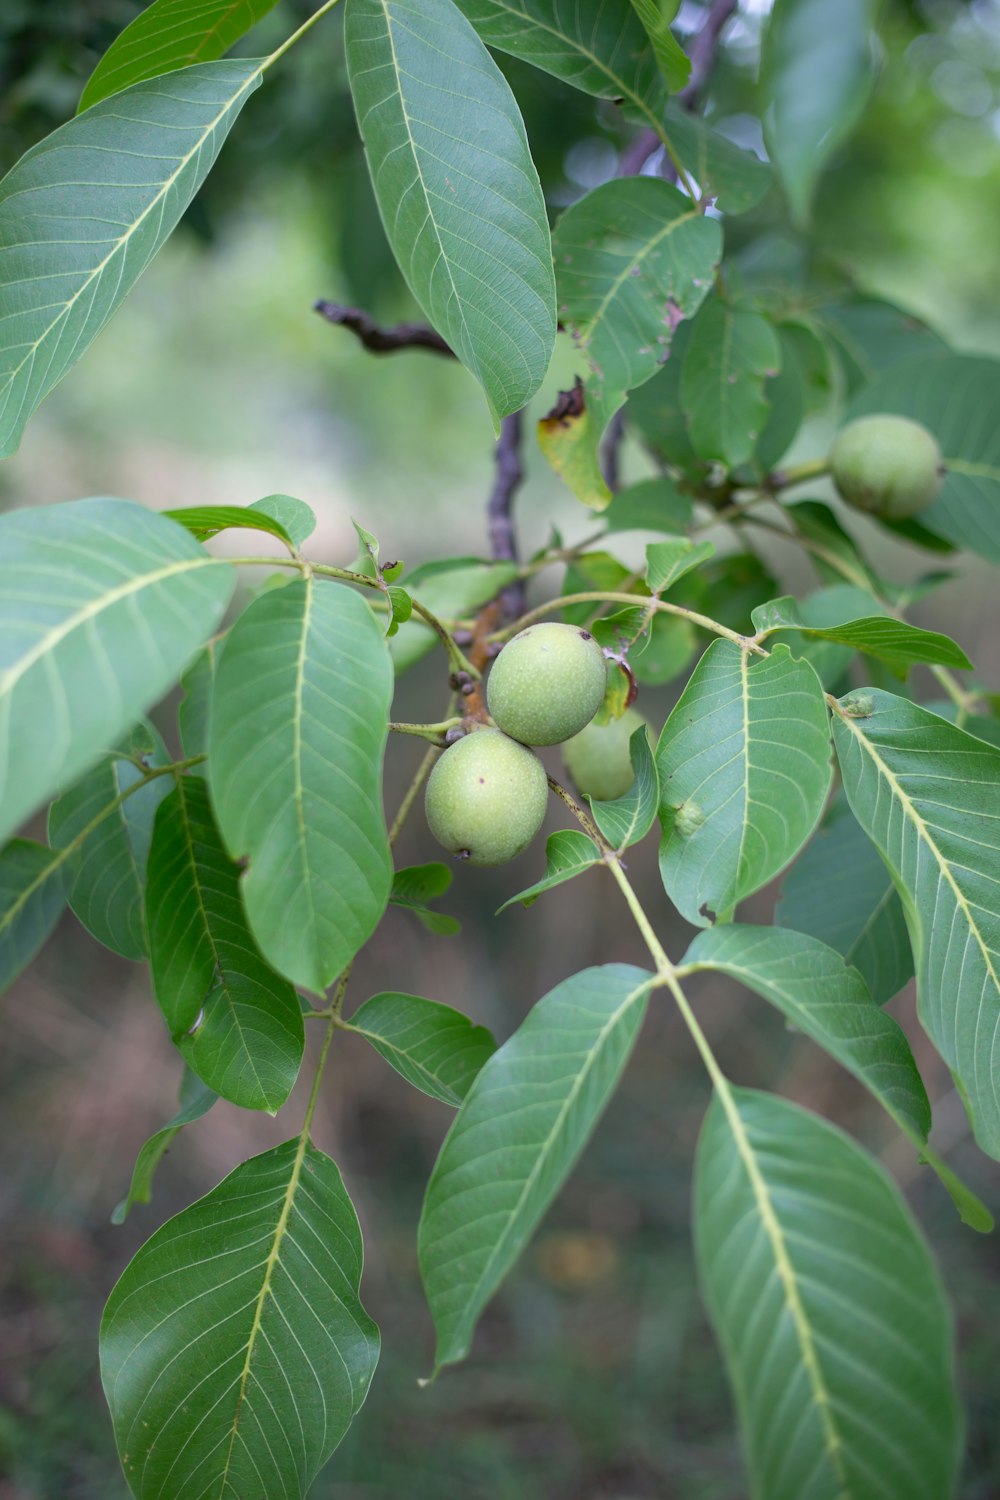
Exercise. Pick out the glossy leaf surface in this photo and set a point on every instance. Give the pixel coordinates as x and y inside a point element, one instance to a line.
<point>928,795</point>
<point>840,891</point>
<point>83,213</point>
<point>822,996</point>
<point>516,1138</point>
<point>744,768</point>
<point>568,852</point>
<point>462,208</point>
<point>109,886</point>
<point>263,1351</point>
<point>434,1047</point>
<point>171,34</point>
<point>102,604</point>
<point>299,724</point>
<point>235,1021</point>
<point>828,1306</point>
<point>34,888</point>
<point>196,1099</point>
<point>733,351</point>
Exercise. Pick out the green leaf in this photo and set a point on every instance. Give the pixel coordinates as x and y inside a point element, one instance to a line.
<point>400,608</point>
<point>840,891</point>
<point>195,1100</point>
<point>668,561</point>
<point>463,209</point>
<point>672,60</point>
<point>299,724</point>
<point>836,555</point>
<point>735,178</point>
<point>817,67</point>
<point>732,352</point>
<point>415,885</point>
<point>598,48</point>
<point>982,726</point>
<point>109,886</point>
<point>569,436</point>
<point>821,995</point>
<point>34,888</point>
<point>204,521</point>
<point>194,711</point>
<point>298,518</point>
<point>629,817</point>
<point>649,505</point>
<point>83,213</point>
<point>450,590</point>
<point>871,336</point>
<point>568,852</point>
<point>435,1048</point>
<point>955,396</point>
<point>534,1106</point>
<point>927,794</point>
<point>744,767</point>
<point>237,1024</point>
<point>101,606</point>
<point>892,641</point>
<point>667,649</point>
<point>235,1351</point>
<point>829,1308</point>
<point>171,34</point>
<point>654,410</point>
<point>633,258</point>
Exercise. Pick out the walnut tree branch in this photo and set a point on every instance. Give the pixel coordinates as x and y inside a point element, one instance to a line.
<point>499,510</point>
<point>703,49</point>
<point>383,340</point>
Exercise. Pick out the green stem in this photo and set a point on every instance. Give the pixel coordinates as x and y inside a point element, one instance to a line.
<point>307,25</point>
<point>586,823</point>
<point>786,479</point>
<point>431,732</point>
<point>637,601</point>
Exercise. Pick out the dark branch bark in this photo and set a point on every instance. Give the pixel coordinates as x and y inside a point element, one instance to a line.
<point>383,340</point>
<point>610,448</point>
<point>499,511</point>
<point>703,49</point>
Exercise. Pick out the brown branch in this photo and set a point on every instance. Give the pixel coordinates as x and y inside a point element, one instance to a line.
<point>383,340</point>
<point>703,49</point>
<point>499,510</point>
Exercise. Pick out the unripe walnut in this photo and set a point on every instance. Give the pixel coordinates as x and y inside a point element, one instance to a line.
<point>887,466</point>
<point>598,760</point>
<point>486,798</point>
<point>547,683</point>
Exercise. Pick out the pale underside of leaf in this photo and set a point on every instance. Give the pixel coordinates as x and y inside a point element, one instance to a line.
<point>83,213</point>
<point>929,797</point>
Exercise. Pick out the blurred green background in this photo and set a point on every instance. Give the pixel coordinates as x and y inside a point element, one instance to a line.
<point>594,1373</point>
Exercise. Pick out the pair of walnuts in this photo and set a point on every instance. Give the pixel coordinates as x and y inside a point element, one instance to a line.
<point>486,796</point>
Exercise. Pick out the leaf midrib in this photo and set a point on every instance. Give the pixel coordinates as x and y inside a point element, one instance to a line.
<point>626,275</point>
<point>124,239</point>
<point>923,832</point>
<point>546,1146</point>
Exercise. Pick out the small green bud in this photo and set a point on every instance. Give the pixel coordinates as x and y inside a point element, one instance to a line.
<point>547,683</point>
<point>486,798</point>
<point>887,466</point>
<point>598,760</point>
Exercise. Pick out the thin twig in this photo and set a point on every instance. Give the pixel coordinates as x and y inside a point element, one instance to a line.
<point>499,510</point>
<point>610,451</point>
<point>383,340</point>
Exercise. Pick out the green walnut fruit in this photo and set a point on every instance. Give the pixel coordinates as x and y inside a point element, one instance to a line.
<point>547,683</point>
<point>486,798</point>
<point>888,466</point>
<point>598,760</point>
